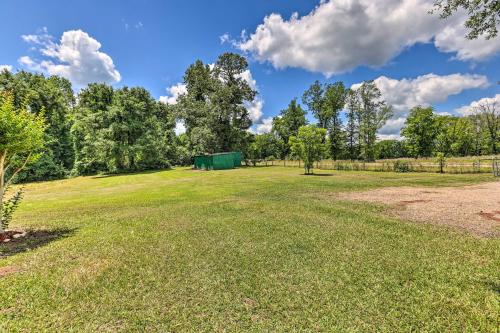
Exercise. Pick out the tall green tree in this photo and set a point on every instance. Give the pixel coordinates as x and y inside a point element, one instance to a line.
<point>120,131</point>
<point>483,15</point>
<point>373,113</point>
<point>489,113</point>
<point>91,121</point>
<point>54,95</point>
<point>263,147</point>
<point>454,135</point>
<point>352,127</point>
<point>232,93</point>
<point>214,109</point>
<point>386,149</point>
<point>287,124</point>
<point>334,102</point>
<point>462,137</point>
<point>479,135</point>
<point>420,131</point>
<point>22,136</point>
<point>314,99</point>
<point>309,145</point>
<point>326,102</point>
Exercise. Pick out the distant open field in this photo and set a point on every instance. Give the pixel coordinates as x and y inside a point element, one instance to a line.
<point>262,249</point>
<point>469,164</point>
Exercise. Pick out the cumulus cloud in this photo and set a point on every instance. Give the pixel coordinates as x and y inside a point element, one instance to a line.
<point>174,92</point>
<point>472,107</point>
<point>388,136</point>
<point>29,63</point>
<point>393,126</point>
<point>338,36</point>
<point>76,56</point>
<point>451,39</point>
<point>7,67</point>
<point>265,126</point>
<point>225,38</point>
<point>423,90</point>
<point>426,89</point>
<point>254,108</point>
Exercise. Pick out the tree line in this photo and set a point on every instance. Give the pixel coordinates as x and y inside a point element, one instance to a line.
<point>106,129</point>
<point>101,129</point>
<point>352,117</point>
<point>110,130</point>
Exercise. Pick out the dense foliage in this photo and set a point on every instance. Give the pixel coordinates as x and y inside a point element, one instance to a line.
<point>326,103</point>
<point>214,107</point>
<point>427,133</point>
<point>121,130</point>
<point>483,15</point>
<point>309,145</point>
<point>21,138</point>
<point>287,124</point>
<point>55,96</point>
<point>109,130</point>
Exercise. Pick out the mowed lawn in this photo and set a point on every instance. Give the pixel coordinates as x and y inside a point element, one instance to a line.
<point>252,249</point>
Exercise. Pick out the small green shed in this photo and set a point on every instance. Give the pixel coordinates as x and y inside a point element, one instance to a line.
<point>237,158</point>
<point>219,161</point>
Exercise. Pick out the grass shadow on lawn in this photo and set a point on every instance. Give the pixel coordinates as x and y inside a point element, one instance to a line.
<point>121,174</point>
<point>33,240</point>
<point>494,286</point>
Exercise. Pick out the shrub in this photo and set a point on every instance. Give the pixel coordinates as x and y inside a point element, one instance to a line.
<point>8,207</point>
<point>441,160</point>
<point>401,166</point>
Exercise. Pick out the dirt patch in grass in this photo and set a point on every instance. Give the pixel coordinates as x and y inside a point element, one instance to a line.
<point>475,208</point>
<point>495,215</point>
<point>4,271</point>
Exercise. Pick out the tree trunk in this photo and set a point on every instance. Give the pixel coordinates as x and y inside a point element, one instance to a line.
<point>2,186</point>
<point>5,183</point>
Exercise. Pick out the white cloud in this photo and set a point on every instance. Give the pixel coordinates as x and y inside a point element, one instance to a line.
<point>7,67</point>
<point>138,25</point>
<point>180,128</point>
<point>388,137</point>
<point>174,92</point>
<point>392,127</point>
<point>254,108</point>
<point>426,89</point>
<point>265,126</point>
<point>340,35</point>
<point>225,38</point>
<point>41,38</point>
<point>444,113</point>
<point>30,63</point>
<point>423,90</point>
<point>451,39</point>
<point>76,57</point>
<point>471,108</point>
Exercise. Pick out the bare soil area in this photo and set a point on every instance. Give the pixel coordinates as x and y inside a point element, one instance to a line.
<point>475,208</point>
<point>4,271</point>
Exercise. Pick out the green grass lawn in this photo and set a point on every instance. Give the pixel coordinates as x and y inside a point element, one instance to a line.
<point>252,249</point>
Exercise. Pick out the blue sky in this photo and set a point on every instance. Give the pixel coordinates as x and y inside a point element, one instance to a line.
<point>414,57</point>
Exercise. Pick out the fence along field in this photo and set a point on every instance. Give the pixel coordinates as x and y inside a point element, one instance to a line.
<point>456,165</point>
